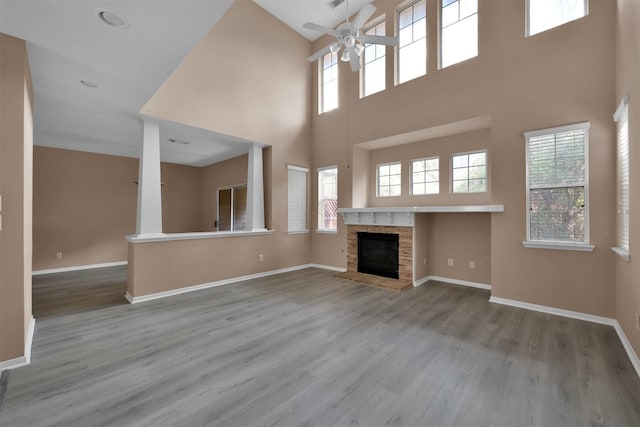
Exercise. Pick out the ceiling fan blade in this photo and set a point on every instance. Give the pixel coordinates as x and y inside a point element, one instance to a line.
<point>389,41</point>
<point>320,29</point>
<point>319,54</point>
<point>363,16</point>
<point>354,59</point>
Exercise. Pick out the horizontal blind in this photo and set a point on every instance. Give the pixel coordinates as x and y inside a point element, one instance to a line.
<point>623,178</point>
<point>557,159</point>
<point>297,199</point>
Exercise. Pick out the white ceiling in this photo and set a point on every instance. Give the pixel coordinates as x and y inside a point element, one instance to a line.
<point>67,43</point>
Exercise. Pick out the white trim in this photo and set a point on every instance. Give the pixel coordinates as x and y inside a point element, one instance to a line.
<point>557,129</point>
<point>149,297</point>
<point>458,282</point>
<point>633,357</point>
<point>622,252</point>
<point>623,104</point>
<point>324,168</point>
<point>79,267</point>
<point>145,238</point>
<point>26,359</point>
<point>326,231</point>
<point>298,168</point>
<point>327,267</point>
<point>563,246</point>
<point>426,209</point>
<point>421,281</point>
<point>297,231</point>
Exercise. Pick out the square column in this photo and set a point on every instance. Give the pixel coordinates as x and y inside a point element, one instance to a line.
<point>149,219</point>
<point>255,190</point>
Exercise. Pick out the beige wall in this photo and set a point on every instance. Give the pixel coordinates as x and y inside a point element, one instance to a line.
<point>223,174</point>
<point>16,142</point>
<point>558,77</point>
<point>181,201</point>
<point>627,274</point>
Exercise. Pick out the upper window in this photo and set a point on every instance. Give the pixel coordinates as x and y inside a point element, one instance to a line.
<point>328,198</point>
<point>622,117</point>
<point>458,31</point>
<point>425,176</point>
<point>373,72</point>
<point>412,49</point>
<point>557,176</point>
<point>329,82</point>
<point>297,199</point>
<point>543,15</point>
<point>469,172</point>
<point>389,180</point>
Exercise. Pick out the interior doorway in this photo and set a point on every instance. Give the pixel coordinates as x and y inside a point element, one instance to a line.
<point>231,208</point>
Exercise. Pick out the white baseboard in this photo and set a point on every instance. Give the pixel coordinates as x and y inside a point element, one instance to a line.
<point>149,297</point>
<point>22,360</point>
<point>633,357</point>
<point>452,281</point>
<point>79,267</point>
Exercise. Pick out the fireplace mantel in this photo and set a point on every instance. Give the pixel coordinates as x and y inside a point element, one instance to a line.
<point>404,216</point>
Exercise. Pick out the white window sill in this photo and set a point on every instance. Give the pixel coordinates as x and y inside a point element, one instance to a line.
<point>563,246</point>
<point>326,231</point>
<point>622,252</point>
<point>297,231</point>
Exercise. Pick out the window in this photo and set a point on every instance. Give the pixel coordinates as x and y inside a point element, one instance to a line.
<point>425,177</point>
<point>412,49</point>
<point>232,208</point>
<point>297,199</point>
<point>622,118</point>
<point>389,180</point>
<point>328,199</point>
<point>329,82</point>
<point>458,31</point>
<point>542,15</point>
<point>469,172</point>
<point>373,72</point>
<point>557,196</point>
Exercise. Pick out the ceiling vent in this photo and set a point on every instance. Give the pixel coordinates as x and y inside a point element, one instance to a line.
<point>335,3</point>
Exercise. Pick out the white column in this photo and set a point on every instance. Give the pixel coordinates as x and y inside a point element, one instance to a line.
<point>255,190</point>
<point>149,220</point>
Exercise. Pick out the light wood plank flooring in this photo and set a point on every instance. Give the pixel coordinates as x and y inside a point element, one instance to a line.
<point>309,349</point>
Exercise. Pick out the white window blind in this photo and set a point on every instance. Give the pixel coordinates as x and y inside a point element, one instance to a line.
<point>622,118</point>
<point>297,199</point>
<point>328,198</point>
<point>557,196</point>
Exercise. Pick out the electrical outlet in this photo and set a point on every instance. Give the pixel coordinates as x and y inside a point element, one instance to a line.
<point>59,255</point>
<point>637,321</point>
<point>260,257</point>
<point>472,265</point>
<point>450,262</point>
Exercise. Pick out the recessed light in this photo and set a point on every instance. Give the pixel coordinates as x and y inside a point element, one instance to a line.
<point>179,141</point>
<point>111,19</point>
<point>89,83</point>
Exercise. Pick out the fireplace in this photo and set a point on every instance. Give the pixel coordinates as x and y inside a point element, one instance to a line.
<point>378,254</point>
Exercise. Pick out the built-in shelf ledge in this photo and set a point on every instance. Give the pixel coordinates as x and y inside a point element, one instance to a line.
<point>404,216</point>
<point>145,238</point>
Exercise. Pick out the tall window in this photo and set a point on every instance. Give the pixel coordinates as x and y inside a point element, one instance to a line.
<point>469,172</point>
<point>425,176</point>
<point>297,199</point>
<point>412,50</point>
<point>557,176</point>
<point>458,31</point>
<point>622,118</point>
<point>329,82</point>
<point>543,15</point>
<point>389,180</point>
<point>373,72</point>
<point>328,199</point>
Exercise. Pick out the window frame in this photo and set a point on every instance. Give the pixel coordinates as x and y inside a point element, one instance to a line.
<point>321,83</point>
<point>399,9</point>
<point>305,229</point>
<point>363,69</point>
<point>441,28</point>
<point>621,117</point>
<point>321,229</point>
<point>378,178</point>
<point>411,171</point>
<point>584,246</point>
<point>527,28</point>
<point>486,171</point>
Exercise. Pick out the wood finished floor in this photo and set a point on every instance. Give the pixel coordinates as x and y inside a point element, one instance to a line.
<point>309,349</point>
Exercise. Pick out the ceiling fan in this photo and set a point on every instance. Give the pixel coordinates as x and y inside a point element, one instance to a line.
<point>348,36</point>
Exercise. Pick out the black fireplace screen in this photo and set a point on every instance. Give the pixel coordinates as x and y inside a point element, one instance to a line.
<point>378,254</point>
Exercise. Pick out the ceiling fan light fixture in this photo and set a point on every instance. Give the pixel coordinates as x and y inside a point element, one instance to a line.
<point>349,41</point>
<point>345,56</point>
<point>359,49</point>
<point>335,47</point>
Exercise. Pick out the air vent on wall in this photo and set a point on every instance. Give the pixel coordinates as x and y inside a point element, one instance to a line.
<point>335,3</point>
